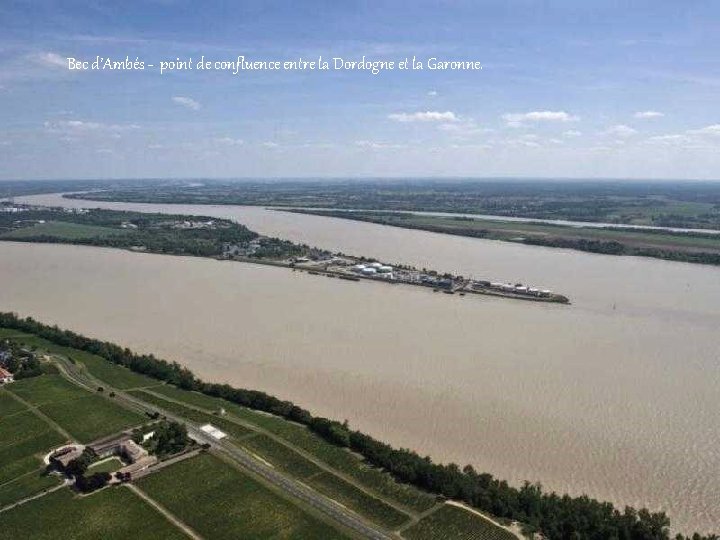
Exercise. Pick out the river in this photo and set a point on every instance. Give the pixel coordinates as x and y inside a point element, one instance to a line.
<point>617,395</point>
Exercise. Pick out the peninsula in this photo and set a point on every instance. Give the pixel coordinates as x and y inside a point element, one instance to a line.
<point>227,240</point>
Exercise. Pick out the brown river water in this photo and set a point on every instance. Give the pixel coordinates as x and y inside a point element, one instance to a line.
<point>616,396</point>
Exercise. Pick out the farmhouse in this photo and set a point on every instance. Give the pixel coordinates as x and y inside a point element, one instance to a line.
<point>136,456</point>
<point>5,376</point>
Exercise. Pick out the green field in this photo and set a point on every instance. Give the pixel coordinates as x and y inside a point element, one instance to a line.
<point>26,485</point>
<point>24,439</point>
<point>302,438</point>
<point>111,514</point>
<point>84,415</point>
<point>10,333</point>
<point>61,230</point>
<point>221,503</point>
<point>282,457</point>
<point>118,376</point>
<point>9,405</point>
<point>39,391</point>
<point>348,495</point>
<point>453,523</point>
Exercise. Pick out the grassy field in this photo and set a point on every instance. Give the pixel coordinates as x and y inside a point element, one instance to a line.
<point>455,523</point>
<point>221,503</point>
<point>84,415</point>
<point>300,437</point>
<point>26,485</point>
<point>111,514</point>
<point>24,439</point>
<point>10,333</point>
<point>61,230</point>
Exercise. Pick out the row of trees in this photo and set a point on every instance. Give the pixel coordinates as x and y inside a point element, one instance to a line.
<point>556,516</point>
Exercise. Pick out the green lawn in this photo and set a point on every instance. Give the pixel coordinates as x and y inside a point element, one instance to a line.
<point>24,439</point>
<point>221,503</point>
<point>453,523</point>
<point>25,486</point>
<point>62,230</point>
<point>111,514</point>
<point>107,465</point>
<point>300,437</point>
<point>86,416</point>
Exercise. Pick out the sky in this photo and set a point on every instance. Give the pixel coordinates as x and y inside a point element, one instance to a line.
<point>591,89</point>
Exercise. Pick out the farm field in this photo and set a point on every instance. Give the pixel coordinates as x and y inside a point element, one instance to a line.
<point>24,438</point>
<point>26,485</point>
<point>348,495</point>
<point>220,502</point>
<point>282,457</point>
<point>454,522</point>
<point>111,514</point>
<point>84,415</point>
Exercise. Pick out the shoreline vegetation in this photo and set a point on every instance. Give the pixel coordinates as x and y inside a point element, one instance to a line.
<point>227,240</point>
<point>549,514</point>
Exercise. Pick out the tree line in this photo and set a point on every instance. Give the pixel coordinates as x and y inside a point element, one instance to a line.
<point>556,517</point>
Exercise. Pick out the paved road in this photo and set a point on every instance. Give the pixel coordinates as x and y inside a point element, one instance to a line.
<point>309,496</point>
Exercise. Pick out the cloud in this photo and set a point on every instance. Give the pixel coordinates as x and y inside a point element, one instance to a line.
<point>648,114</point>
<point>518,119</point>
<point>572,133</point>
<point>270,144</point>
<point>620,130</point>
<point>426,116</point>
<point>186,102</point>
<point>229,141</point>
<point>82,127</point>
<point>374,145</point>
<point>707,130</point>
<point>51,60</point>
<point>432,93</point>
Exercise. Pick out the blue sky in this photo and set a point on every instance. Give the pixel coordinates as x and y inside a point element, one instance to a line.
<point>568,89</point>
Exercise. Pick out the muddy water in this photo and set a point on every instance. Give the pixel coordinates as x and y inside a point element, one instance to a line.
<point>617,395</point>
